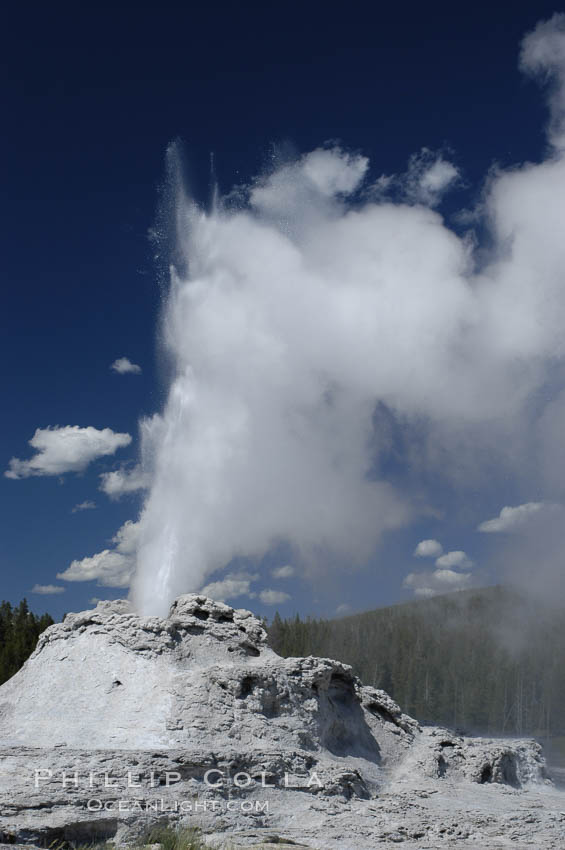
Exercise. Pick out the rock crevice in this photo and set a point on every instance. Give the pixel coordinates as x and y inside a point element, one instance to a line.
<point>201,690</point>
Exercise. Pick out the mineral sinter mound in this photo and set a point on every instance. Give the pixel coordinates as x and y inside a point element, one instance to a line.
<point>118,720</point>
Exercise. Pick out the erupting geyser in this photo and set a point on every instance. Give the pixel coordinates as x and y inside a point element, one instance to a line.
<point>308,313</point>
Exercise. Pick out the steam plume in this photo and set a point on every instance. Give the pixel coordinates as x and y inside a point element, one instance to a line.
<point>307,312</point>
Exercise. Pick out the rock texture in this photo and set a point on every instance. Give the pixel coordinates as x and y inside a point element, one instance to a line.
<point>116,721</point>
<point>204,677</point>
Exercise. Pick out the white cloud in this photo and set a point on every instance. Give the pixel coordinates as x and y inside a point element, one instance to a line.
<point>88,505</point>
<point>274,597</point>
<point>119,482</point>
<point>454,559</point>
<point>230,587</point>
<point>436,581</point>
<point>425,592</point>
<point>427,179</point>
<point>333,175</point>
<point>428,549</point>
<point>543,54</point>
<point>47,589</point>
<point>124,366</point>
<point>344,608</point>
<point>111,567</point>
<point>512,519</point>
<point>435,180</point>
<point>283,572</point>
<point>451,578</point>
<point>66,449</point>
<point>126,537</point>
<point>315,178</point>
<point>414,580</point>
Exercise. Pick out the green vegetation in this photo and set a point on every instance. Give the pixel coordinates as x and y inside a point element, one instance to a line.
<point>19,631</point>
<point>485,661</point>
<point>167,836</point>
<point>171,838</point>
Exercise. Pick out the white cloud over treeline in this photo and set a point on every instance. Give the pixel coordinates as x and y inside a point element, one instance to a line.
<point>445,577</point>
<point>273,597</point>
<point>432,582</point>
<point>47,589</point>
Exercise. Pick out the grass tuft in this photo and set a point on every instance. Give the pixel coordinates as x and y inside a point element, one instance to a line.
<point>170,838</point>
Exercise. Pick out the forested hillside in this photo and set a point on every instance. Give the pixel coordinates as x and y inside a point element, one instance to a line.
<point>19,631</point>
<point>485,660</point>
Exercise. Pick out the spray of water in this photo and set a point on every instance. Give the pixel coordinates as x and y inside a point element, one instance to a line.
<point>304,306</point>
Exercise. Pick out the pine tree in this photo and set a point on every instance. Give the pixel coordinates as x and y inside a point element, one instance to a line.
<point>19,633</point>
<point>485,660</point>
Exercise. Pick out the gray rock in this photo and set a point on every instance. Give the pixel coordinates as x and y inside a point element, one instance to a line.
<point>118,721</point>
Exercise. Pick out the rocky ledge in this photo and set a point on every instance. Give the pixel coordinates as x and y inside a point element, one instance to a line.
<point>118,720</point>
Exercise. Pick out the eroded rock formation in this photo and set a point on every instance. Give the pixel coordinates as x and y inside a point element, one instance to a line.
<point>196,708</point>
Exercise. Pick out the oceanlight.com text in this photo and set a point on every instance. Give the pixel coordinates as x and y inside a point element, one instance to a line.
<point>162,805</point>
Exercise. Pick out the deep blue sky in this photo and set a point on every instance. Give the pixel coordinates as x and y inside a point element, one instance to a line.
<point>92,95</point>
